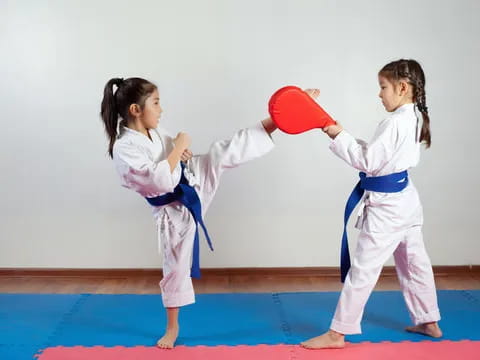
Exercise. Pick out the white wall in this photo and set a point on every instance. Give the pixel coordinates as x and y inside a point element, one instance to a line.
<point>216,63</point>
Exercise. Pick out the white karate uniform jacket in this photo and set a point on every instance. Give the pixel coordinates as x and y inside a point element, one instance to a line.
<point>390,223</point>
<point>143,167</point>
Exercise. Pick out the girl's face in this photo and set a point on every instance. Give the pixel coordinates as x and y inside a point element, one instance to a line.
<point>151,111</point>
<point>391,94</point>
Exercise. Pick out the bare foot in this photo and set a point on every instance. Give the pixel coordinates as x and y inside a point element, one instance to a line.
<point>330,340</point>
<point>429,329</point>
<point>168,340</point>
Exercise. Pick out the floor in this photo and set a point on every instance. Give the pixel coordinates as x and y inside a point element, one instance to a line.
<point>209,283</point>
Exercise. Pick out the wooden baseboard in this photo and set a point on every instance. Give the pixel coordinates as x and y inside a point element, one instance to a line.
<point>276,271</point>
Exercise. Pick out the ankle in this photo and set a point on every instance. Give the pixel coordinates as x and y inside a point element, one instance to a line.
<point>334,335</point>
<point>172,327</point>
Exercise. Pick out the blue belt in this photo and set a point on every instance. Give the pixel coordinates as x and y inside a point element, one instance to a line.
<point>386,184</point>
<point>186,194</point>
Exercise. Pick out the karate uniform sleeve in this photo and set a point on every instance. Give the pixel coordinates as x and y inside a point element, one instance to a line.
<point>140,173</point>
<point>368,157</point>
<point>245,145</point>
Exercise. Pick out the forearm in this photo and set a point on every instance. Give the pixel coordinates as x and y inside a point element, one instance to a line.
<point>174,158</point>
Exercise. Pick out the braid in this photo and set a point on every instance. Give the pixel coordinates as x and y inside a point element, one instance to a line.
<point>418,81</point>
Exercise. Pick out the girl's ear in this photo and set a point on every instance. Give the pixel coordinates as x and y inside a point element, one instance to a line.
<point>403,87</point>
<point>135,110</point>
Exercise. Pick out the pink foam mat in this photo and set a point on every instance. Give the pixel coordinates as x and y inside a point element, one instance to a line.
<point>440,350</point>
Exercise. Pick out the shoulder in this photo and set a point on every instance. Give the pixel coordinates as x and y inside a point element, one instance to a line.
<point>126,148</point>
<point>399,124</point>
<point>389,123</point>
<point>124,142</point>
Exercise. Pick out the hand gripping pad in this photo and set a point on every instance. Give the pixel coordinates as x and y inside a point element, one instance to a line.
<point>294,111</point>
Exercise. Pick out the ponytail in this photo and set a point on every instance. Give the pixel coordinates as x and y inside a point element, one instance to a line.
<point>109,112</point>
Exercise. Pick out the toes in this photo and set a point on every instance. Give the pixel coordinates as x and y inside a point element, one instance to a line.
<point>308,345</point>
<point>164,345</point>
<point>422,330</point>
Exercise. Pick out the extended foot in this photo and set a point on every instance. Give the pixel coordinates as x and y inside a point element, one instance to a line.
<point>329,340</point>
<point>168,340</point>
<point>428,329</point>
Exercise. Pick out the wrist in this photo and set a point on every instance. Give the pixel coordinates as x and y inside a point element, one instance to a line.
<point>334,135</point>
<point>269,125</point>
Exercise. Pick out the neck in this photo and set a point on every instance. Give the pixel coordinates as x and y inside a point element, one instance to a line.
<point>137,126</point>
<point>404,102</point>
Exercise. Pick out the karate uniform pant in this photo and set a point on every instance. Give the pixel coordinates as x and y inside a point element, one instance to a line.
<point>414,272</point>
<point>177,226</point>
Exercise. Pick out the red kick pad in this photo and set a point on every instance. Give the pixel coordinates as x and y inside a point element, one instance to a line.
<point>438,350</point>
<point>294,111</point>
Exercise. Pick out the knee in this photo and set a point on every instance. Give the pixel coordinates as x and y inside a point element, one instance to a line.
<point>363,277</point>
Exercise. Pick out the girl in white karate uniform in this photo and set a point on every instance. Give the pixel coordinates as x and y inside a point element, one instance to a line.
<point>153,164</point>
<point>391,223</point>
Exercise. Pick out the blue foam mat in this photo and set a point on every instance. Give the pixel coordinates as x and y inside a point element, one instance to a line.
<point>32,319</point>
<point>385,316</point>
<point>29,322</point>
<point>18,352</point>
<point>139,320</point>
